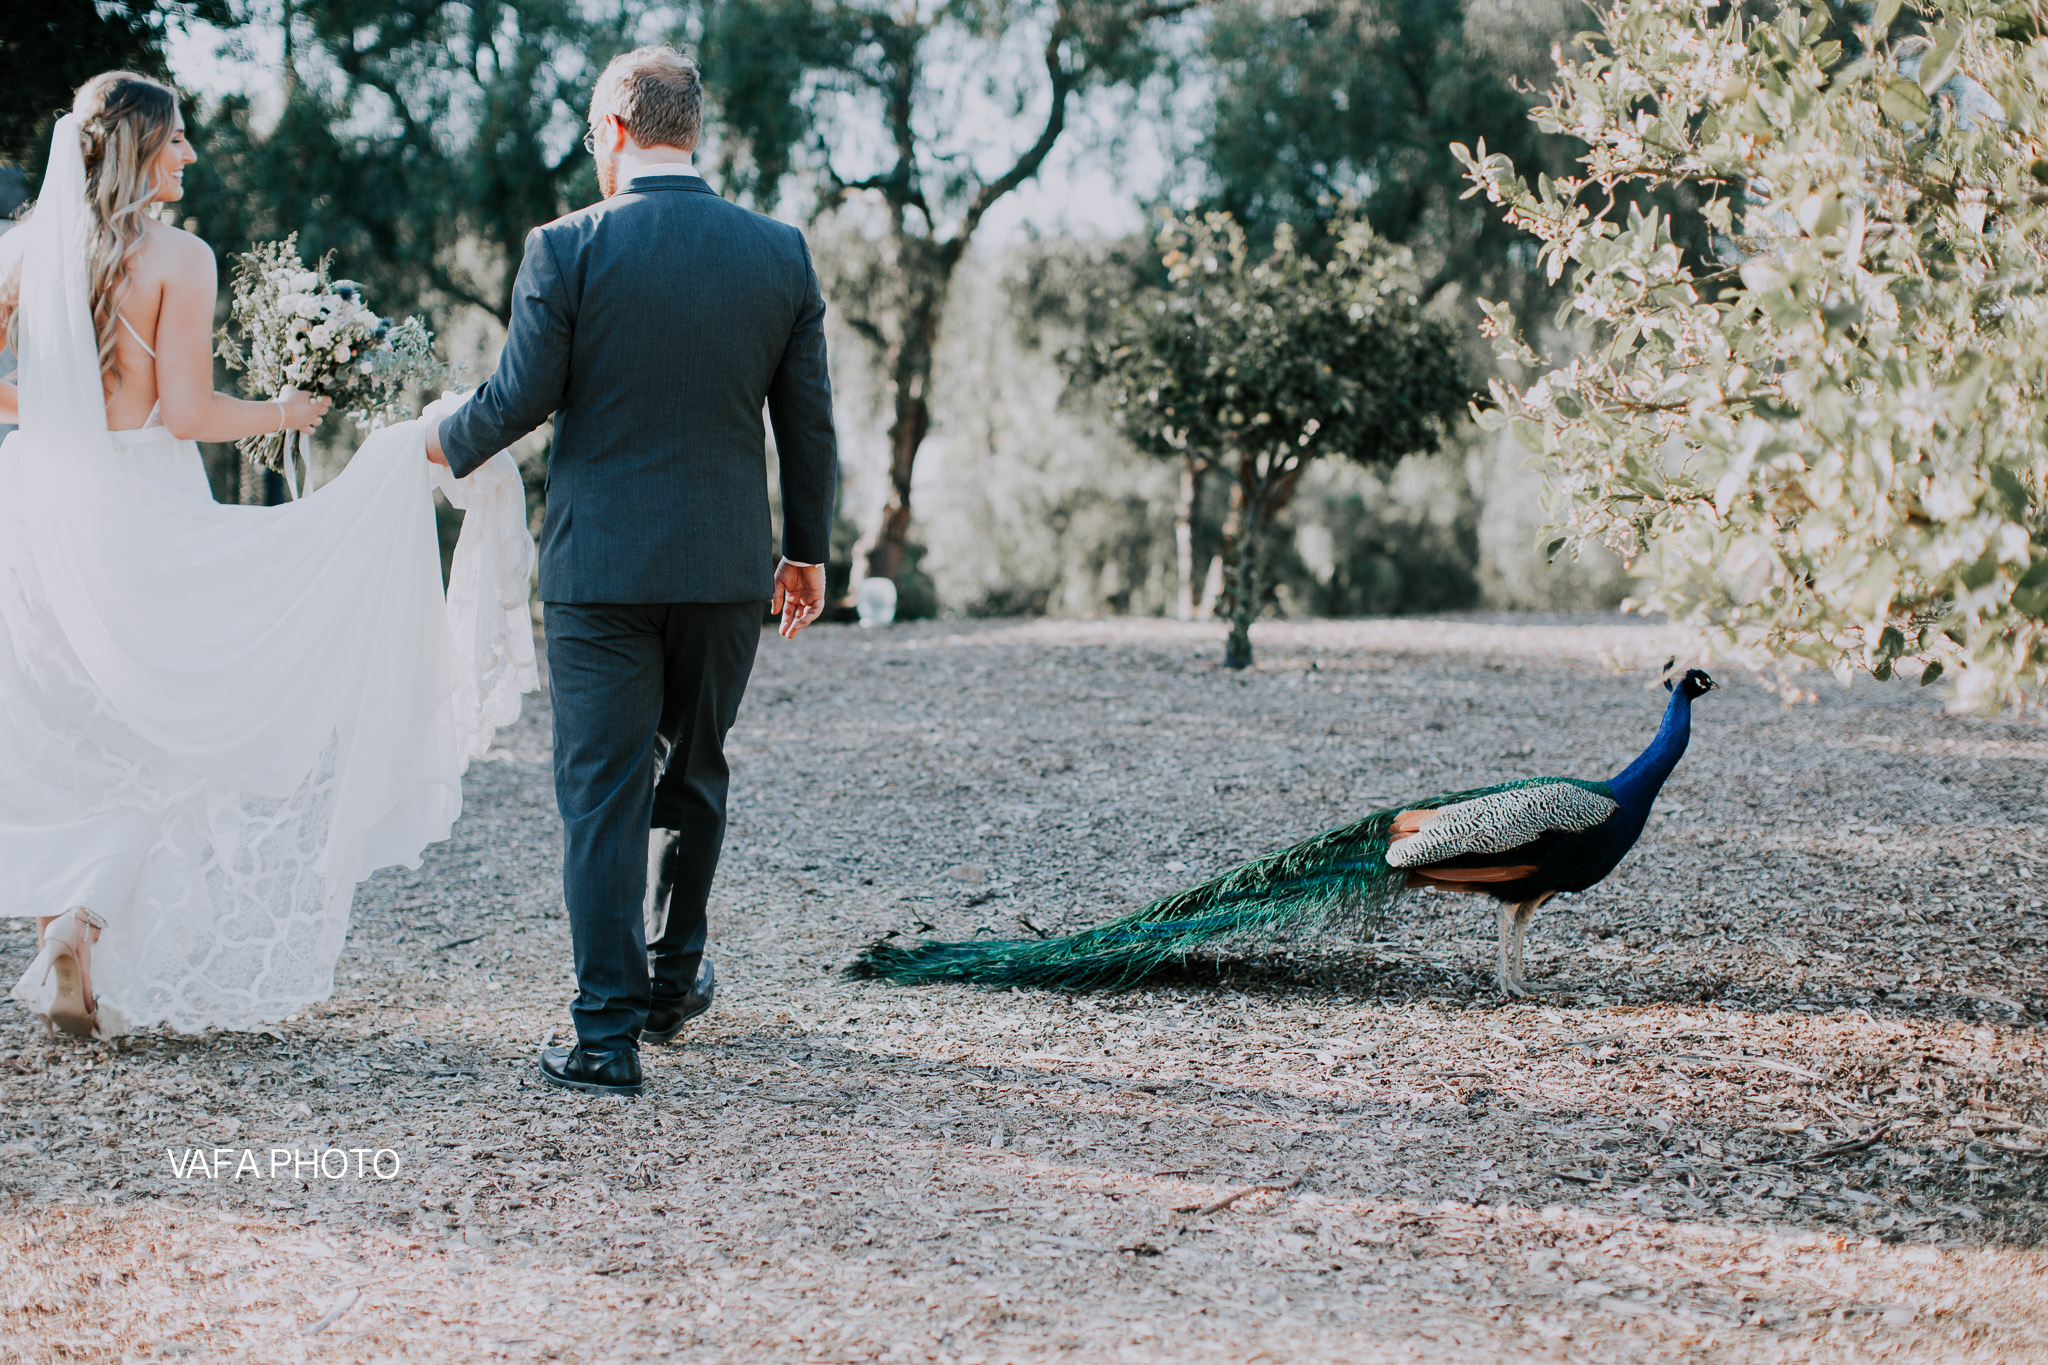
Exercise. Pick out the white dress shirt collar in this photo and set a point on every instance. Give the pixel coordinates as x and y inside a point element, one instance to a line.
<point>654,168</point>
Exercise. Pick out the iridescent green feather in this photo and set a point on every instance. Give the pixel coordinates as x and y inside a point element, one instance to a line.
<point>1338,879</point>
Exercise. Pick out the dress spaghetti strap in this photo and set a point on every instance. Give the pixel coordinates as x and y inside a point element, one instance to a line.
<point>137,335</point>
<point>157,407</point>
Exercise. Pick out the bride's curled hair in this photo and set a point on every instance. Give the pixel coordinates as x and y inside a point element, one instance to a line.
<point>125,119</point>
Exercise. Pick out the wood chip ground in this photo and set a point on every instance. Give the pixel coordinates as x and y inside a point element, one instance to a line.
<point>1782,1101</point>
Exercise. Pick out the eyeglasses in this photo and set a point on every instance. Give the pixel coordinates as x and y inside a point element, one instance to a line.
<point>590,137</point>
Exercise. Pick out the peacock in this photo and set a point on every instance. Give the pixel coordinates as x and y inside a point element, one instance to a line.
<point>1519,842</point>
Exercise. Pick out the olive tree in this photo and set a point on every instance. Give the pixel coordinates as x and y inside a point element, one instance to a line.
<point>1259,365</point>
<point>1823,441</point>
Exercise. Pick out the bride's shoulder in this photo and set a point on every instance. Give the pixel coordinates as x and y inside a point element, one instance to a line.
<point>170,252</point>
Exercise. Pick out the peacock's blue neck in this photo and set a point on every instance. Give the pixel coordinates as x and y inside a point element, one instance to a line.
<point>1636,787</point>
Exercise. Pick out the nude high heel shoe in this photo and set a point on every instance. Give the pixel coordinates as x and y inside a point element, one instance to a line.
<point>67,952</point>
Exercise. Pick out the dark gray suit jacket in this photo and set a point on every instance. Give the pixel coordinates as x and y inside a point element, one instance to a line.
<point>654,326</point>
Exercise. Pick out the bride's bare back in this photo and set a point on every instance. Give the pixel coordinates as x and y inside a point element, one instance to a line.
<point>168,303</point>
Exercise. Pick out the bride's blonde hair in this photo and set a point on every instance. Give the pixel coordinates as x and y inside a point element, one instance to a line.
<point>125,119</point>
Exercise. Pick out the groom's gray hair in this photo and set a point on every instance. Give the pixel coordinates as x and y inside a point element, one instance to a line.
<point>655,93</point>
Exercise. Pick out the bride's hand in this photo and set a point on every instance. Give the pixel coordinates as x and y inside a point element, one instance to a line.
<point>302,411</point>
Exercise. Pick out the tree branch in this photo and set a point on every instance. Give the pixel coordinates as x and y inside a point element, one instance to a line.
<point>886,183</point>
<point>1610,176</point>
<point>903,190</point>
<point>455,289</point>
<point>865,329</point>
<point>378,79</point>
<point>1027,165</point>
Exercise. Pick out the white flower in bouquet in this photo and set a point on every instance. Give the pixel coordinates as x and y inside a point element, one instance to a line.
<point>303,328</point>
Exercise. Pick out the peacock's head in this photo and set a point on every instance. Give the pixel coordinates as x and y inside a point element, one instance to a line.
<point>1694,685</point>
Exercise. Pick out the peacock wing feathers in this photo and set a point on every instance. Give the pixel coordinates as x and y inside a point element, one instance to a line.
<point>1502,820</point>
<point>1339,878</point>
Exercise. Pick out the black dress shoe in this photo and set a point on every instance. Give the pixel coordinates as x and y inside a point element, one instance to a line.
<point>665,1018</point>
<point>600,1073</point>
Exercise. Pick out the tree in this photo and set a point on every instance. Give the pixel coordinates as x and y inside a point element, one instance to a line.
<point>50,49</point>
<point>893,76</point>
<point>420,140</point>
<point>1262,366</point>
<point>1829,445</point>
<point>1322,102</point>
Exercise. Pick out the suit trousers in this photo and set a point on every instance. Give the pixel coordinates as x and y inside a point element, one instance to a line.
<point>643,697</point>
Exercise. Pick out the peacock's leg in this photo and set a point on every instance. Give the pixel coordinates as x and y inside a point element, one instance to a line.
<point>1523,914</point>
<point>1506,975</point>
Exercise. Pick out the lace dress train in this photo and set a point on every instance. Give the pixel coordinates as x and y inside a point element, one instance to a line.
<point>226,875</point>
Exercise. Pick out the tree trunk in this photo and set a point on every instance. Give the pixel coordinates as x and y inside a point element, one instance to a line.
<point>1212,589</point>
<point>1241,571</point>
<point>1261,492</point>
<point>291,66</point>
<point>910,380</point>
<point>1184,541</point>
<point>1241,598</point>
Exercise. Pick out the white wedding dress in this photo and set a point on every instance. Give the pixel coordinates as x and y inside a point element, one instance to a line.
<point>216,720</point>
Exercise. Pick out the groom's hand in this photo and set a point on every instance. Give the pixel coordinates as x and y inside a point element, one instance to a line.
<point>799,596</point>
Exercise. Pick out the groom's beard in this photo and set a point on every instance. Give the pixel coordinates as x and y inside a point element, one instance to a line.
<point>607,178</point>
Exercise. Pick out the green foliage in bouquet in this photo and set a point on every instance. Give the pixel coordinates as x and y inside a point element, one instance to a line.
<point>306,329</point>
<point>1826,442</point>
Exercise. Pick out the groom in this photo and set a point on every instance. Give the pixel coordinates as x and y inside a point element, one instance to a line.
<point>653,327</point>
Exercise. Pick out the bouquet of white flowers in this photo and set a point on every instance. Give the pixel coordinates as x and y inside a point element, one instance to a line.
<point>305,329</point>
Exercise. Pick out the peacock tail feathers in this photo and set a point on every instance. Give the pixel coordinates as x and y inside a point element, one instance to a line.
<point>1338,879</point>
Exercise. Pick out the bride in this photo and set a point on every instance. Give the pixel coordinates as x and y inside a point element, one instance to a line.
<point>214,720</point>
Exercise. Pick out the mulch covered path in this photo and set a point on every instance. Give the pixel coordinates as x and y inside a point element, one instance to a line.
<point>1783,1098</point>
